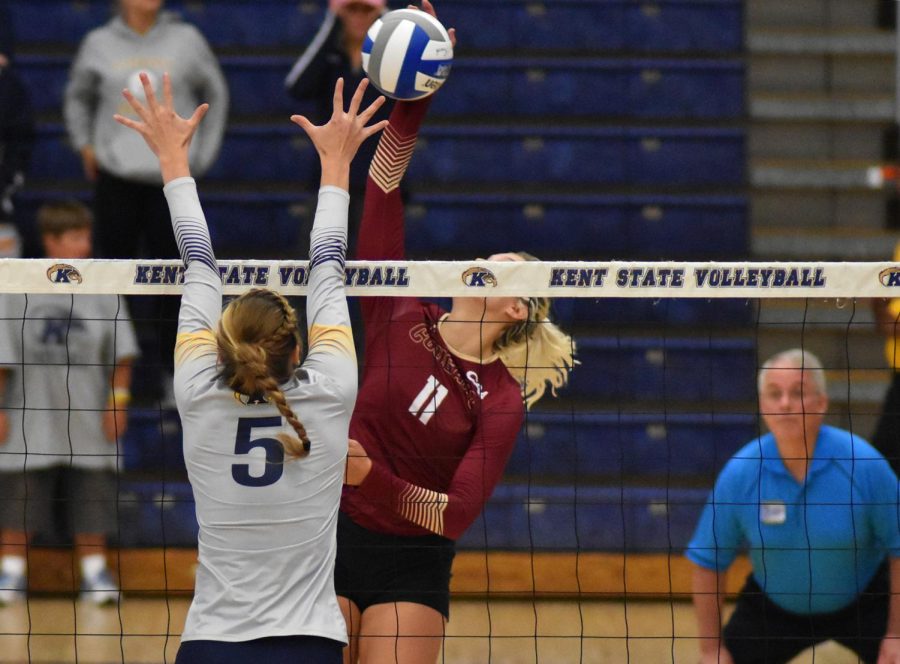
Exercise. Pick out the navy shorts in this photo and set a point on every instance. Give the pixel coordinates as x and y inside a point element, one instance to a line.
<point>376,568</point>
<point>761,632</point>
<point>271,650</point>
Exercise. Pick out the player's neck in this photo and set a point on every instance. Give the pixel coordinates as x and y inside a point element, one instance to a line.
<point>468,336</point>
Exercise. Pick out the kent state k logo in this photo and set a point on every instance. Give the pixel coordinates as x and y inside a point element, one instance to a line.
<point>63,273</point>
<point>890,277</point>
<point>479,277</point>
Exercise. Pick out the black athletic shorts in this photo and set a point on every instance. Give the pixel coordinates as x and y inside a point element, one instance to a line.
<point>761,632</point>
<point>32,498</point>
<point>375,568</point>
<point>271,650</point>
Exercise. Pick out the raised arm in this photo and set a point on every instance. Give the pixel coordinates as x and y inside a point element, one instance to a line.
<point>381,233</point>
<point>337,141</point>
<point>169,137</point>
<point>447,513</point>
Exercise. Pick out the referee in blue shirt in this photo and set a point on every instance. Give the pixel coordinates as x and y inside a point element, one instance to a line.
<point>816,507</point>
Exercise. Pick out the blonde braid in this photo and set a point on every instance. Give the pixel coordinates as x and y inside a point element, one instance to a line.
<point>296,448</point>
<point>254,365</point>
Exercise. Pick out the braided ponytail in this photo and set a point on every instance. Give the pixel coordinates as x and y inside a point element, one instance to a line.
<point>257,338</point>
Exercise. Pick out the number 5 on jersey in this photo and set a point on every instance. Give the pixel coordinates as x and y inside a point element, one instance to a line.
<point>274,464</point>
<point>426,403</point>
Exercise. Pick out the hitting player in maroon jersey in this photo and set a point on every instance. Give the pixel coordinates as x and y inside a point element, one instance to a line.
<point>436,418</point>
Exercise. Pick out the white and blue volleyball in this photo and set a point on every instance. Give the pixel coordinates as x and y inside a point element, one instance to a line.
<point>407,54</point>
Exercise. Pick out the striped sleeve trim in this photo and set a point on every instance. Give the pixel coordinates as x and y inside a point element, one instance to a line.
<point>334,339</point>
<point>191,345</point>
<point>331,247</point>
<point>194,243</point>
<point>391,159</point>
<point>424,508</point>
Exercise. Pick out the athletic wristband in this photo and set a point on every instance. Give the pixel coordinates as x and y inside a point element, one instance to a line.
<point>119,398</point>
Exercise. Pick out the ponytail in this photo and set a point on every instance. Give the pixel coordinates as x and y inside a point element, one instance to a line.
<point>256,339</point>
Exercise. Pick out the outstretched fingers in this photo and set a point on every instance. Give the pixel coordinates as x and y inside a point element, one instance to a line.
<point>367,114</point>
<point>374,129</point>
<point>356,101</point>
<point>195,119</point>
<point>149,94</point>
<point>337,102</point>
<point>168,100</point>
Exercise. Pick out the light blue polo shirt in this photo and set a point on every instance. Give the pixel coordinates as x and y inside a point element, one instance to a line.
<point>814,546</point>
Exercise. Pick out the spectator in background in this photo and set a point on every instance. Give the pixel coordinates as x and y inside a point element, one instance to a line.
<point>817,507</point>
<point>336,52</point>
<point>16,138</point>
<point>887,432</point>
<point>132,218</point>
<point>64,395</point>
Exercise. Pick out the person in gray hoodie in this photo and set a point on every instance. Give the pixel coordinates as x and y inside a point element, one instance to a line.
<point>131,216</point>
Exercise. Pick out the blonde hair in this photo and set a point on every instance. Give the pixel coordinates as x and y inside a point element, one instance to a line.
<point>536,352</point>
<point>256,339</point>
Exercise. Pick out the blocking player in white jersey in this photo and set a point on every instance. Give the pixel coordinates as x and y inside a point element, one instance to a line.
<point>265,438</point>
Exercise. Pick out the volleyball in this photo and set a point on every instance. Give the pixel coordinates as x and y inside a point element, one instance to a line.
<point>407,54</point>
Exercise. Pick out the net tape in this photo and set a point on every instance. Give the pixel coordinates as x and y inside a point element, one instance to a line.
<point>617,279</point>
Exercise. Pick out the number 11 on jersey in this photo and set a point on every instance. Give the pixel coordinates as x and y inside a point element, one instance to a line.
<point>427,401</point>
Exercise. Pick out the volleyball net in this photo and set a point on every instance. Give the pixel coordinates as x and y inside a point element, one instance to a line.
<point>604,487</point>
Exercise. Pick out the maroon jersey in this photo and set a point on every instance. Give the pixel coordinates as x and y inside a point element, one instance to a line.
<point>439,427</point>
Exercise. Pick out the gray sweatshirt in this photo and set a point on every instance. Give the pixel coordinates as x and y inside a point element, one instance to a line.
<point>110,59</point>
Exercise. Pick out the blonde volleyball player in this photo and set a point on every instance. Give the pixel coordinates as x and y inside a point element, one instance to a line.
<point>438,412</point>
<point>265,440</point>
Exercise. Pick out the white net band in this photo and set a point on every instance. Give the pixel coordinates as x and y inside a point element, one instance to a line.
<point>616,279</point>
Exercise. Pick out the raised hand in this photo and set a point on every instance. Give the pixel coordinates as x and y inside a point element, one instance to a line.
<point>167,134</point>
<point>338,140</point>
<point>428,8</point>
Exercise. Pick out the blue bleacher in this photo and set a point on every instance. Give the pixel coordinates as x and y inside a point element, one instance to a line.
<point>712,26</point>
<point>598,227</point>
<point>471,154</point>
<point>156,513</point>
<point>669,312</point>
<point>578,446</point>
<point>594,87</point>
<point>546,518</point>
<point>518,517</point>
<point>152,440</point>
<point>578,155</point>
<point>678,370</point>
<point>672,89</point>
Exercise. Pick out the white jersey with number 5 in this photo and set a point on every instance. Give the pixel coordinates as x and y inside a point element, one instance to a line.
<point>267,527</point>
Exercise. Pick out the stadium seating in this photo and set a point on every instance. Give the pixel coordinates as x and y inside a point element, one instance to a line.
<point>542,517</point>
<point>464,154</point>
<point>488,25</point>
<point>622,369</point>
<point>695,314</point>
<point>574,129</point>
<point>156,513</point>
<point>532,87</point>
<point>518,517</point>
<point>604,446</point>
<point>594,227</point>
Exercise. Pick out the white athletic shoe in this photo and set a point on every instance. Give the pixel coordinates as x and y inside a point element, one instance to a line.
<point>100,590</point>
<point>12,588</point>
